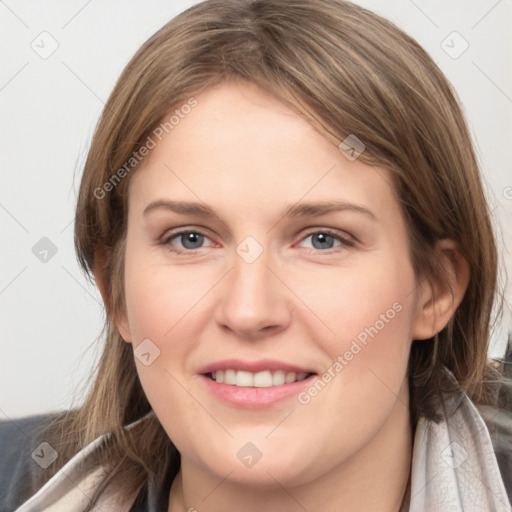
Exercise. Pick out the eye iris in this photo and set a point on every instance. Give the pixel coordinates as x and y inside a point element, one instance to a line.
<point>194,240</point>
<point>323,239</point>
<point>191,238</point>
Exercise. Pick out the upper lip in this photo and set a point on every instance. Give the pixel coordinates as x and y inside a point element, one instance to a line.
<point>253,366</point>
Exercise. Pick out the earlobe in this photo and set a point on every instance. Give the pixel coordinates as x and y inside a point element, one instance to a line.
<point>101,278</point>
<point>124,328</point>
<point>438,301</point>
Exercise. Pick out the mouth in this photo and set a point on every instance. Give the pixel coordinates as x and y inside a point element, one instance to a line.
<point>262,379</point>
<point>254,384</point>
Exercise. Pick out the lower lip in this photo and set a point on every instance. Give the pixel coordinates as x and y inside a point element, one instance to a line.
<point>255,398</point>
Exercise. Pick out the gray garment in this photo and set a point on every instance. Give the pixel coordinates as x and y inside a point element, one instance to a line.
<point>455,467</point>
<point>18,439</point>
<point>20,446</point>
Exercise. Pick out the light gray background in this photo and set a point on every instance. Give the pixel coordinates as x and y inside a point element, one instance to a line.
<point>50,316</point>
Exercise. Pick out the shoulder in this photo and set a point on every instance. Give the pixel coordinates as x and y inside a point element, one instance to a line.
<point>499,422</point>
<point>22,458</point>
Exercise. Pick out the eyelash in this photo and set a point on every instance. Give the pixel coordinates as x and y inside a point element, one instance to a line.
<point>334,234</point>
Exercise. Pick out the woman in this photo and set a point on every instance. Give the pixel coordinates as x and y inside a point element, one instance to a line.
<point>324,345</point>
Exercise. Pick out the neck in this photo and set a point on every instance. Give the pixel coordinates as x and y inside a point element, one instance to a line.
<point>375,478</point>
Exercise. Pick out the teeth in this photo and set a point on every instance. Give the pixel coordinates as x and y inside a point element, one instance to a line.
<point>278,378</point>
<point>290,377</point>
<point>229,377</point>
<point>262,379</point>
<point>243,379</point>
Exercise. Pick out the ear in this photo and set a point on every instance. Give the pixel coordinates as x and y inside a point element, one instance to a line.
<point>101,278</point>
<point>437,302</point>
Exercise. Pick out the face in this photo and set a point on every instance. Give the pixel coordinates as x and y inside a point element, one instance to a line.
<point>270,337</point>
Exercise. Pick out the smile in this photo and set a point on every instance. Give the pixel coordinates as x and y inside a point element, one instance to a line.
<point>262,379</point>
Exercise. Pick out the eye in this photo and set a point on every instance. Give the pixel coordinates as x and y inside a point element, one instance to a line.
<point>325,239</point>
<point>189,239</point>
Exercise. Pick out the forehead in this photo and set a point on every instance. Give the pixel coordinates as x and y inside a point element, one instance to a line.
<point>242,146</point>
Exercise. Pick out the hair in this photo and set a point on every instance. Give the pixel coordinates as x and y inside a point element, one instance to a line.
<point>346,71</point>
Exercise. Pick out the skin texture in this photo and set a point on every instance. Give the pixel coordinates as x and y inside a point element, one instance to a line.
<point>248,156</point>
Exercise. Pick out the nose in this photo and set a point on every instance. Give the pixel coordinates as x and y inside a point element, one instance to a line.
<point>254,301</point>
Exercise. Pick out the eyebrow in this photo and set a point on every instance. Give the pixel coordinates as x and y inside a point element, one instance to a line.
<point>314,209</point>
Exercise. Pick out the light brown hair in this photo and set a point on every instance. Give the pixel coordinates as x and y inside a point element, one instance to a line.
<point>347,71</point>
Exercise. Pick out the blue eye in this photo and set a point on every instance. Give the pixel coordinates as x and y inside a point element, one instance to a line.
<point>190,240</point>
<point>325,239</point>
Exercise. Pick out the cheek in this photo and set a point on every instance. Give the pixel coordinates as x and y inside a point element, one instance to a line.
<point>163,305</point>
<point>369,312</point>
<point>160,304</point>
<point>366,301</point>
<point>371,315</point>
<point>159,298</point>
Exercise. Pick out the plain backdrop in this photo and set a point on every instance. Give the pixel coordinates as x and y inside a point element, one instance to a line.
<point>59,62</point>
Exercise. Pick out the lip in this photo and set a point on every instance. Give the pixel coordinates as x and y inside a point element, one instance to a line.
<point>253,366</point>
<point>252,397</point>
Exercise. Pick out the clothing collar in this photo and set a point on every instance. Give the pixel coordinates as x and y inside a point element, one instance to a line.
<point>454,466</point>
